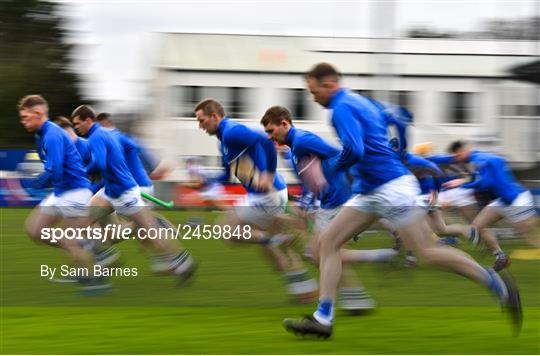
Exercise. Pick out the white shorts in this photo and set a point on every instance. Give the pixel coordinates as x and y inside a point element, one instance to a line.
<point>150,191</point>
<point>423,201</point>
<point>70,204</point>
<point>396,201</point>
<point>127,204</point>
<point>323,217</point>
<point>522,208</point>
<point>457,197</point>
<point>260,209</point>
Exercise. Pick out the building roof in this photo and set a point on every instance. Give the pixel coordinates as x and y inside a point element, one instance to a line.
<point>353,56</point>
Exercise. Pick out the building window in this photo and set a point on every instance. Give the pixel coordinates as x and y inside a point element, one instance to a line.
<point>234,99</point>
<point>176,101</point>
<point>460,110</point>
<point>237,107</point>
<point>364,92</point>
<point>403,98</point>
<point>192,95</point>
<point>298,103</point>
<point>519,110</point>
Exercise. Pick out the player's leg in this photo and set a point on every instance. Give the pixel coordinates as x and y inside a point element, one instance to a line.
<point>259,222</point>
<point>526,228</point>
<point>43,217</point>
<point>40,218</point>
<point>521,213</point>
<point>74,206</point>
<point>469,213</point>
<point>416,234</point>
<point>417,237</point>
<point>178,259</point>
<point>438,224</point>
<point>102,215</point>
<point>270,228</point>
<point>80,256</point>
<point>352,294</point>
<point>464,201</point>
<point>100,208</point>
<point>397,201</point>
<point>349,256</point>
<point>478,229</point>
<point>348,222</point>
<point>175,259</point>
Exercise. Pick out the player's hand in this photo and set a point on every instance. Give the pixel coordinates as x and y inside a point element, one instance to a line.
<point>432,198</point>
<point>265,182</point>
<point>310,170</point>
<point>454,183</point>
<point>16,192</point>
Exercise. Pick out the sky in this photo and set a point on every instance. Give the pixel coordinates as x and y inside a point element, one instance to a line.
<point>116,42</point>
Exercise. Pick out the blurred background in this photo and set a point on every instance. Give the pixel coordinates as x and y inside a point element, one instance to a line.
<point>466,70</point>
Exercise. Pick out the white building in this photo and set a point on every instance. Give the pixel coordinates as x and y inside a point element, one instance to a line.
<point>456,89</point>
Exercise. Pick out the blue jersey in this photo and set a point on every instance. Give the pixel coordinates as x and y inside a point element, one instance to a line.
<point>362,128</point>
<point>81,144</point>
<point>304,143</point>
<point>236,140</point>
<point>108,160</point>
<point>427,172</point>
<point>493,176</point>
<point>132,152</point>
<point>62,163</point>
<point>399,118</point>
<point>451,170</point>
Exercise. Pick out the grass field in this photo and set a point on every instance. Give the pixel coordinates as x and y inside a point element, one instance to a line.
<point>237,302</point>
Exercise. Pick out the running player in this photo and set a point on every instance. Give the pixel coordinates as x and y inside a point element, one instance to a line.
<point>264,206</point>
<point>510,199</point>
<point>121,192</point>
<point>104,254</point>
<point>135,154</point>
<point>64,170</point>
<point>464,198</point>
<point>388,190</point>
<point>277,122</point>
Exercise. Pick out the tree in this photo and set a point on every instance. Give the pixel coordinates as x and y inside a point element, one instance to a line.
<point>34,59</point>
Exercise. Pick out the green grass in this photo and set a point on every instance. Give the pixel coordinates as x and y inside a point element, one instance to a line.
<point>237,302</point>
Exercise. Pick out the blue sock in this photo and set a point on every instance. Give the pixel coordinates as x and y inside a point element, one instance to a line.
<point>325,311</point>
<point>496,284</point>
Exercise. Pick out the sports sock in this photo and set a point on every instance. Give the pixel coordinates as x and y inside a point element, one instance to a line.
<point>181,262</point>
<point>325,311</point>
